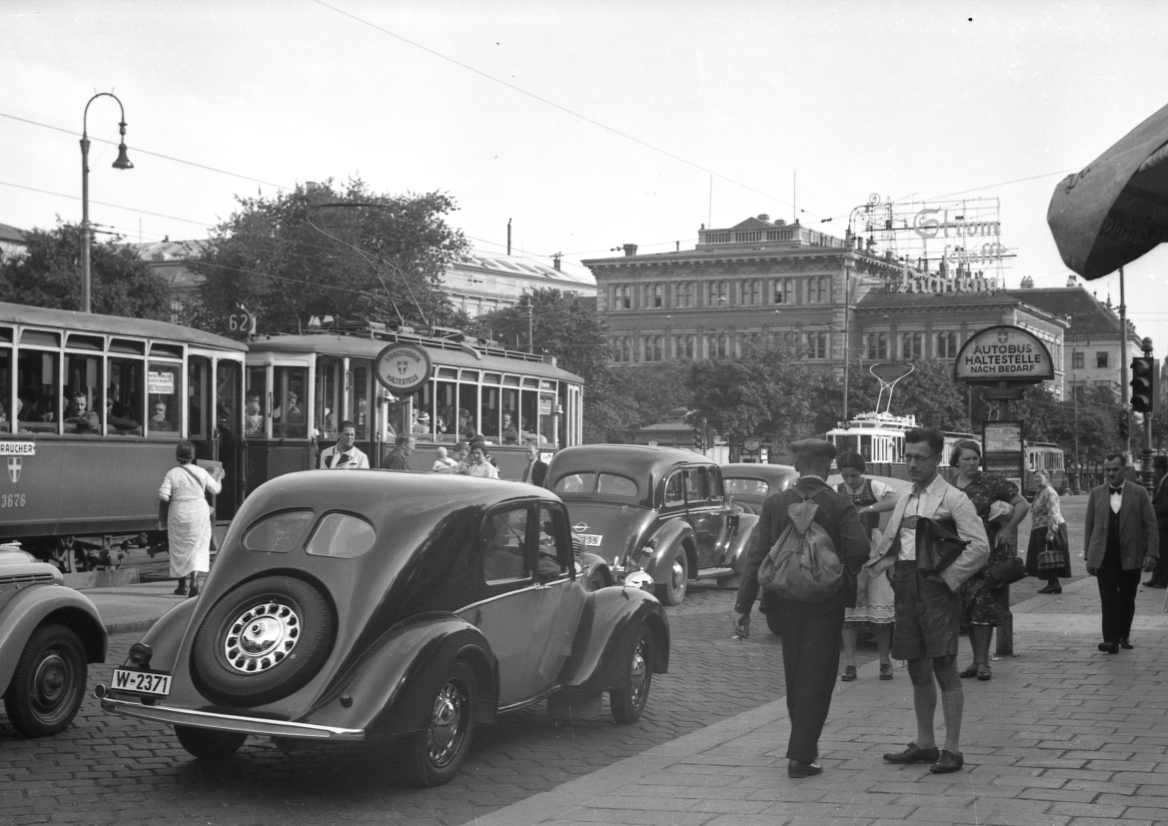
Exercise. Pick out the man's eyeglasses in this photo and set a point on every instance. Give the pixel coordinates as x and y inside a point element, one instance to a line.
<point>916,458</point>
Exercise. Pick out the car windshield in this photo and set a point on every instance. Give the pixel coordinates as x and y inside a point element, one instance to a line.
<point>600,484</point>
<point>745,487</point>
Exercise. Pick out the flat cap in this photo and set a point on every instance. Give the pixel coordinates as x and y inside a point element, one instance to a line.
<point>813,449</point>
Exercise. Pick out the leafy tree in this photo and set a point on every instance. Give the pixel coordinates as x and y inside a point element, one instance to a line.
<point>50,276</point>
<point>345,252</point>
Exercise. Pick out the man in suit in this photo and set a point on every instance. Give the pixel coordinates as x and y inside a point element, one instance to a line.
<point>536,470</point>
<point>1160,506</point>
<point>810,630</point>
<point>1122,537</point>
<point>927,605</point>
<point>344,455</point>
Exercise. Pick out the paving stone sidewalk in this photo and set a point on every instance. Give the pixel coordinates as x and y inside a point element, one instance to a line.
<point>1062,734</point>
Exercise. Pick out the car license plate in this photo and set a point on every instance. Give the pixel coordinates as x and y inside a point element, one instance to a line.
<point>591,538</point>
<point>141,682</point>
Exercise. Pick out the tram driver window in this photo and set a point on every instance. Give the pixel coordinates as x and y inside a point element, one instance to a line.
<point>37,375</point>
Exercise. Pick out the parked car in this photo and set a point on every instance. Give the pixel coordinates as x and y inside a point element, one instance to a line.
<point>659,510</point>
<point>749,484</point>
<point>384,606</point>
<point>48,635</point>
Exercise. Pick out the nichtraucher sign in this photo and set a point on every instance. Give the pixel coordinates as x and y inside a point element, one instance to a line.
<point>1003,354</point>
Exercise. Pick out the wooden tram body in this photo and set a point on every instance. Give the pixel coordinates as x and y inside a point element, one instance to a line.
<point>82,475</point>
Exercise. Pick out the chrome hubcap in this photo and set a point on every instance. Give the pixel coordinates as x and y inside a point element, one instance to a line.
<point>678,572</point>
<point>446,725</point>
<point>261,637</point>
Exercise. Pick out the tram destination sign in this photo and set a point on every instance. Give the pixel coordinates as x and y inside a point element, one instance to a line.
<point>1003,354</point>
<point>403,368</point>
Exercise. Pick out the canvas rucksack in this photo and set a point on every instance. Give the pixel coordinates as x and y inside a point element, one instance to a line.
<point>802,564</point>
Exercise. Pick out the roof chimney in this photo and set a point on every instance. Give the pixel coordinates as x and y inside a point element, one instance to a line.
<point>764,217</point>
<point>630,250</point>
<point>556,261</point>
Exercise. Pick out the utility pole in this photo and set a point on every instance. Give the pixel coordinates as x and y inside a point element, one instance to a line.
<point>1124,398</point>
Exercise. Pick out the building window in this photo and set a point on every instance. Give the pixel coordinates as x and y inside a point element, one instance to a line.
<point>752,291</point>
<point>719,345</point>
<point>817,345</point>
<point>912,346</point>
<point>1077,360</point>
<point>878,346</point>
<point>784,291</point>
<point>654,296</point>
<point>686,346</point>
<point>622,349</point>
<point>685,294</point>
<point>819,290</point>
<point>1101,359</point>
<point>622,297</point>
<point>654,348</point>
<point>719,293</point>
<point>947,345</point>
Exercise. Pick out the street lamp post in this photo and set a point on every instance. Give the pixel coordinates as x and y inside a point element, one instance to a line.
<point>123,162</point>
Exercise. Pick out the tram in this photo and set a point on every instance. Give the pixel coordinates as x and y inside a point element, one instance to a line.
<point>879,438</point>
<point>1050,459</point>
<point>91,409</point>
<point>299,388</point>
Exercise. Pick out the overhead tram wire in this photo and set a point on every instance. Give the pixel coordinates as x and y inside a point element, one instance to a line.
<point>554,105</point>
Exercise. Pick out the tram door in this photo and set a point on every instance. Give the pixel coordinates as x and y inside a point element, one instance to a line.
<point>228,427</point>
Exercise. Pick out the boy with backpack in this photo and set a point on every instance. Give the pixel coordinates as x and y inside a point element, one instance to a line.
<point>813,544</point>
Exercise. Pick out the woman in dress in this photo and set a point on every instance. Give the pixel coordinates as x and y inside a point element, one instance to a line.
<point>1047,523</point>
<point>874,603</point>
<point>479,464</point>
<point>981,604</point>
<point>188,523</point>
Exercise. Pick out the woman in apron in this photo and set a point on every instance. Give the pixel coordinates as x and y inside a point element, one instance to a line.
<point>188,521</point>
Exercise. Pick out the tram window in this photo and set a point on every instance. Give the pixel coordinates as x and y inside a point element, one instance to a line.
<point>446,403</point>
<point>491,414</point>
<point>227,396</point>
<point>7,423</point>
<point>163,383</point>
<point>359,407</point>
<point>83,383</point>
<point>198,397</point>
<point>529,418</point>
<point>427,422</point>
<point>547,419</point>
<point>511,416</point>
<point>327,404</point>
<point>37,380</point>
<point>256,407</point>
<point>468,402</point>
<point>288,418</point>
<point>125,401</point>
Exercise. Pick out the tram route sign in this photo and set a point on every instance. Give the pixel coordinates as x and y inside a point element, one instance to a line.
<point>402,368</point>
<point>1003,353</point>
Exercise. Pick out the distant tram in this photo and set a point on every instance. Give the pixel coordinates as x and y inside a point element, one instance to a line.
<point>879,438</point>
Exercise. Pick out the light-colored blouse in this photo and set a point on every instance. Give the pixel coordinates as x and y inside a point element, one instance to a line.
<point>1045,511</point>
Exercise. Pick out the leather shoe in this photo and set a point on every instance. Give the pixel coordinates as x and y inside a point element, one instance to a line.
<point>1109,647</point>
<point>849,673</point>
<point>886,671</point>
<point>969,672</point>
<point>947,763</point>
<point>1051,589</point>
<point>1125,644</point>
<point>914,754</point>
<point>797,768</point>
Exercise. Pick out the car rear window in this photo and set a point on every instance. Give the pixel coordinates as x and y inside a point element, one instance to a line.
<point>342,535</point>
<point>278,533</point>
<point>601,484</point>
<point>746,487</point>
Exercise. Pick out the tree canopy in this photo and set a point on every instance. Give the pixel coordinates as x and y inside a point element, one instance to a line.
<point>49,275</point>
<point>324,250</point>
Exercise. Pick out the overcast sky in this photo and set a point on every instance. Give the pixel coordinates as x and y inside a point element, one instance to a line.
<point>588,124</point>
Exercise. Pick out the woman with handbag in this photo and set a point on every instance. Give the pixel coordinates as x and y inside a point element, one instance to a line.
<point>188,519</point>
<point>983,599</point>
<point>1048,554</point>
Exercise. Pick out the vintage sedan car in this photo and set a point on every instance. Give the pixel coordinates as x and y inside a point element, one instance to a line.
<point>391,606</point>
<point>659,510</point>
<point>749,484</point>
<point>48,635</point>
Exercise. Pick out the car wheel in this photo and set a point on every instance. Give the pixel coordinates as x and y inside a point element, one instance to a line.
<point>773,623</point>
<point>206,744</point>
<point>262,641</point>
<point>672,592</point>
<point>432,756</point>
<point>49,682</point>
<point>629,701</point>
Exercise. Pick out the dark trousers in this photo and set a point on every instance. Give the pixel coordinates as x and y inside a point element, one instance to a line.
<point>811,635</point>
<point>1160,577</point>
<point>1117,597</point>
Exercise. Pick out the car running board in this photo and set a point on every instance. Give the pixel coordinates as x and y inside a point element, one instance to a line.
<point>709,573</point>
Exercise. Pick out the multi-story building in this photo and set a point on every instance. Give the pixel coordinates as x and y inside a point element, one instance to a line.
<point>12,242</point>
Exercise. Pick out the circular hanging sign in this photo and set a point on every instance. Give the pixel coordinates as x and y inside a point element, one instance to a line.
<point>751,444</point>
<point>402,368</point>
<point>1003,353</point>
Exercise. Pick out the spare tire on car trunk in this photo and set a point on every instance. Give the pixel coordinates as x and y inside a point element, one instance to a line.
<point>262,641</point>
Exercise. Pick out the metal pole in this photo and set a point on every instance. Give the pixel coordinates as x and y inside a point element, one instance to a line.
<point>1005,634</point>
<point>530,328</point>
<point>1146,475</point>
<point>85,230</point>
<point>1124,398</point>
<point>847,342</point>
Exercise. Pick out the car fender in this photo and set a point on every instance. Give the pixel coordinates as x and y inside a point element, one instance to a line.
<point>166,635</point>
<point>736,552</point>
<point>672,535</point>
<point>606,633</point>
<point>389,691</point>
<point>589,564</point>
<point>34,606</point>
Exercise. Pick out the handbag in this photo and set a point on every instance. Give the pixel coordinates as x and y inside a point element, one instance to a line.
<point>1006,572</point>
<point>938,545</point>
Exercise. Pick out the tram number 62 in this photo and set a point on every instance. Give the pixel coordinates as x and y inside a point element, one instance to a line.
<point>12,500</point>
<point>242,322</point>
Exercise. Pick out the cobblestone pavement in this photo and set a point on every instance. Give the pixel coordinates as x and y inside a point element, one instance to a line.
<point>108,769</point>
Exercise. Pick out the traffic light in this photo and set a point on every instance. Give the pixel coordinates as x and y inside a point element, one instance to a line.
<point>697,439</point>
<point>1123,425</point>
<point>1143,384</point>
